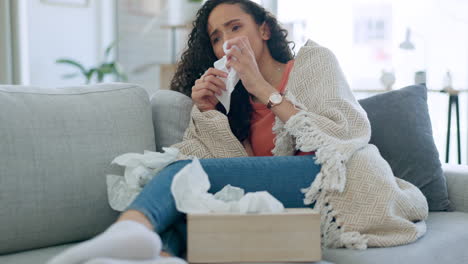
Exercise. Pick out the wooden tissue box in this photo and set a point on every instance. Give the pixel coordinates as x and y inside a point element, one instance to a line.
<point>290,236</point>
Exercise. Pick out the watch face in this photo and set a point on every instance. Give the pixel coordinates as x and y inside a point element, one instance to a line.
<point>276,98</point>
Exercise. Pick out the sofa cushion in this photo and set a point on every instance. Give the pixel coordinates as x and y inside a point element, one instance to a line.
<point>44,254</point>
<point>401,129</point>
<point>444,242</point>
<point>56,149</point>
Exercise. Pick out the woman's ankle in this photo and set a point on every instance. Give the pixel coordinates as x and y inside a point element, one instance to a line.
<point>137,216</point>
<point>165,254</point>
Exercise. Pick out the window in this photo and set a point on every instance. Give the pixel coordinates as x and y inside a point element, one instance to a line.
<point>370,37</point>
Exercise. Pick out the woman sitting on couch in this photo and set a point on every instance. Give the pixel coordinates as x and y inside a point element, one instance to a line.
<point>293,125</point>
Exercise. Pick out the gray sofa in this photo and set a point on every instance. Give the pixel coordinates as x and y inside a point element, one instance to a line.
<point>56,146</point>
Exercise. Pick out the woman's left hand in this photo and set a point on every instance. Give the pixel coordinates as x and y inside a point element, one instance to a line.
<point>244,62</point>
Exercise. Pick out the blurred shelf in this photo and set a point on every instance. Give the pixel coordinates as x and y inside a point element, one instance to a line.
<point>179,26</point>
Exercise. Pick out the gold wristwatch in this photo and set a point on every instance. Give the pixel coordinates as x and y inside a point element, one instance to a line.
<point>275,99</point>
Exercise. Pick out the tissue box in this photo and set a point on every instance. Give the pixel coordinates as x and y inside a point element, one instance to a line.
<point>290,236</point>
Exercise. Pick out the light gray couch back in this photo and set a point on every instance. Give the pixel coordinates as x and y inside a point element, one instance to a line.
<point>56,146</point>
<point>171,116</point>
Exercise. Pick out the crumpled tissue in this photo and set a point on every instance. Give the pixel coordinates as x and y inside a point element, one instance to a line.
<point>230,81</point>
<point>139,170</point>
<point>190,191</point>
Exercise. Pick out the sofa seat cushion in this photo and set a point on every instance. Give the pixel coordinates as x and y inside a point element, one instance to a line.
<point>42,255</point>
<point>446,241</point>
<point>33,256</point>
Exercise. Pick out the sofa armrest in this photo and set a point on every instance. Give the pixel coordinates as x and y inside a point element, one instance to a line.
<point>457,184</point>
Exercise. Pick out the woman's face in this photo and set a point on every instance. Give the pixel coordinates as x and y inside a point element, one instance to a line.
<point>228,21</point>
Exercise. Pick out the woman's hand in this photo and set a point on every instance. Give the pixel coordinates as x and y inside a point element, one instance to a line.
<point>244,62</point>
<point>205,89</point>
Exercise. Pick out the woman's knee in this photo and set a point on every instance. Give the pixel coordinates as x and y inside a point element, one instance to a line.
<point>176,166</point>
<point>172,169</point>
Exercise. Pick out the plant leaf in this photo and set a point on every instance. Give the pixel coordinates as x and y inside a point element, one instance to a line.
<point>109,49</point>
<point>70,75</point>
<point>100,76</point>
<point>106,68</point>
<point>89,75</point>
<point>72,63</point>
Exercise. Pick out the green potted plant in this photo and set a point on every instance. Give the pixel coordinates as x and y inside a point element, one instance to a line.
<point>107,67</point>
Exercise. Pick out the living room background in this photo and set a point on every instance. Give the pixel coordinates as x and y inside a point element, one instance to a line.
<point>367,36</point>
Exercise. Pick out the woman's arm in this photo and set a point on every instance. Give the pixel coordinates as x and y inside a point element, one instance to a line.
<point>209,136</point>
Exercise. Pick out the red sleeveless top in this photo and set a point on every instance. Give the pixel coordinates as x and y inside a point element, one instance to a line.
<point>262,120</point>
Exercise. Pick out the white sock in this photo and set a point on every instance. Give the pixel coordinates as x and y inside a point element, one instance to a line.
<point>158,260</point>
<point>122,240</point>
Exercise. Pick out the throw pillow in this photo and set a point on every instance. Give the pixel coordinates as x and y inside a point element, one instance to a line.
<point>401,130</point>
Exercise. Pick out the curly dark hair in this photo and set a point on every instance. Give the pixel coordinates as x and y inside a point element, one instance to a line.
<point>199,56</point>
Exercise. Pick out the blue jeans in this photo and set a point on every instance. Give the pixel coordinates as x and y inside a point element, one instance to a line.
<point>282,176</point>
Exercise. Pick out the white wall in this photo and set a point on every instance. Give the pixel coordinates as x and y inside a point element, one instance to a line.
<point>56,31</point>
<point>143,45</point>
<point>145,41</point>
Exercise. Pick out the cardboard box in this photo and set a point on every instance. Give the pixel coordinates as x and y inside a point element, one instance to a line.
<point>290,236</point>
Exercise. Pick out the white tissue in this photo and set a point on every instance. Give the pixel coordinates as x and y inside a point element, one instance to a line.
<point>139,170</point>
<point>230,81</point>
<point>190,191</point>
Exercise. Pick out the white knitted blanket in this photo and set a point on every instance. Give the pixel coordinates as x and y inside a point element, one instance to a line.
<point>362,204</point>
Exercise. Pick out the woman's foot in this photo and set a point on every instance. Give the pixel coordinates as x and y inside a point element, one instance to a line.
<point>158,260</point>
<point>123,240</point>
